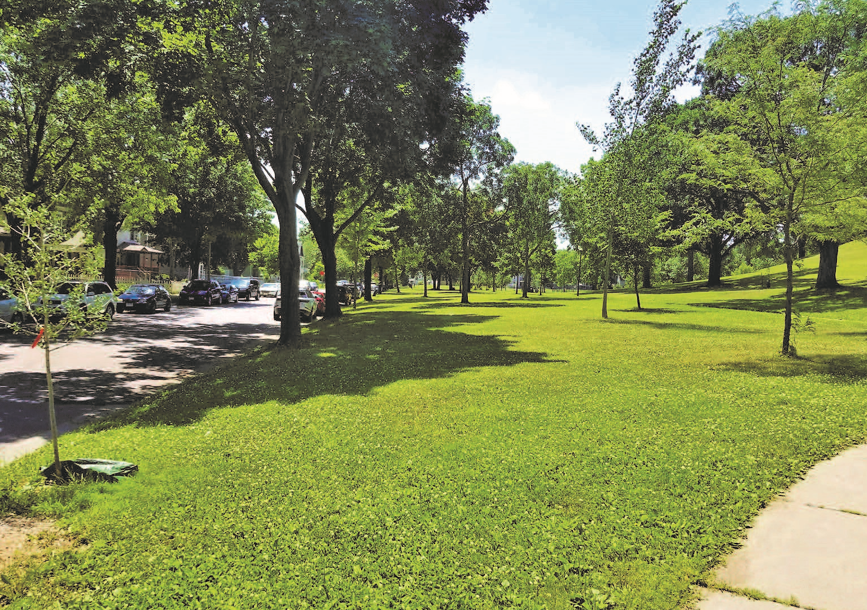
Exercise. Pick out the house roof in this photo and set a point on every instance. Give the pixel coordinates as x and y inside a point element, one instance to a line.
<point>130,247</point>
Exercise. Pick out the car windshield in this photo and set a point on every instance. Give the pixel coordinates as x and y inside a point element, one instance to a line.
<point>141,290</point>
<point>67,287</point>
<point>240,283</point>
<point>200,285</point>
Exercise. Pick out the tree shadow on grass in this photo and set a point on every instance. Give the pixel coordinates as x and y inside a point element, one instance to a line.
<point>664,310</point>
<point>350,356</point>
<point>682,326</point>
<point>804,301</point>
<point>497,305</point>
<point>846,369</point>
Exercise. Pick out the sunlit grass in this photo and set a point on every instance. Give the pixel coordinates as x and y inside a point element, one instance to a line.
<point>422,454</point>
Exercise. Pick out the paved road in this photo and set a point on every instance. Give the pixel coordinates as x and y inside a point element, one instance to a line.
<point>137,353</point>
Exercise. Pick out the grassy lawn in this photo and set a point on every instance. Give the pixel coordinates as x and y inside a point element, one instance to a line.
<point>422,454</point>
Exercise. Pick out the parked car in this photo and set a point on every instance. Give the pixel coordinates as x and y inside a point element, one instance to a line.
<point>200,291</point>
<point>270,289</point>
<point>9,309</point>
<point>374,289</point>
<point>228,293</point>
<point>248,288</point>
<point>320,301</point>
<point>144,297</point>
<point>306,303</point>
<point>344,294</point>
<point>96,298</point>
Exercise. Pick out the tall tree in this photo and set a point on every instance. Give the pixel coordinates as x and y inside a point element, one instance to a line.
<point>278,70</point>
<point>533,195</point>
<point>478,152</point>
<point>652,85</point>
<point>805,126</point>
<point>220,206</point>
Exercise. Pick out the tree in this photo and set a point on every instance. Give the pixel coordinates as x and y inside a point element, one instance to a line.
<point>278,72</point>
<point>220,206</point>
<point>33,273</point>
<point>533,200</point>
<point>264,253</point>
<point>127,177</point>
<point>805,127</point>
<point>478,152</point>
<point>707,207</point>
<point>622,139</point>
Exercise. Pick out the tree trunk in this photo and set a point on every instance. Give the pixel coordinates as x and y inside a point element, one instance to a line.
<point>110,227</point>
<point>827,277</point>
<point>606,278</point>
<point>368,279</point>
<point>52,417</point>
<point>424,278</point>
<point>465,243</point>
<point>787,251</point>
<point>802,247</point>
<point>645,280</point>
<point>290,262</point>
<point>690,265</point>
<point>525,287</point>
<point>635,273</point>
<point>714,264</point>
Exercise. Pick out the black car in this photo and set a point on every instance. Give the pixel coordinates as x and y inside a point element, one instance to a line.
<point>144,297</point>
<point>200,291</point>
<point>248,288</point>
<point>229,293</point>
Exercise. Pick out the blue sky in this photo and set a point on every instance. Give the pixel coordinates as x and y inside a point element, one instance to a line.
<point>547,64</point>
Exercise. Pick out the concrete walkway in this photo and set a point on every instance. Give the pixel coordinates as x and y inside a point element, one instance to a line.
<point>808,549</point>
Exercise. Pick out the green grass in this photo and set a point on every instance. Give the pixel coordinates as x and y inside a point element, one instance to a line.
<point>422,454</point>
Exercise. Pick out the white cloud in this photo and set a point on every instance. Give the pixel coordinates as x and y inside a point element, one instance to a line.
<point>540,118</point>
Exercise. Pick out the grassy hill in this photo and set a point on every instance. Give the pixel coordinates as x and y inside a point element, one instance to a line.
<point>422,454</point>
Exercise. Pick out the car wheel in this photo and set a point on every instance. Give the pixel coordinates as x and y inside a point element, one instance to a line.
<point>168,306</point>
<point>276,317</point>
<point>152,308</point>
<point>257,296</point>
<point>247,298</point>
<point>109,311</point>
<point>17,318</point>
<point>210,300</point>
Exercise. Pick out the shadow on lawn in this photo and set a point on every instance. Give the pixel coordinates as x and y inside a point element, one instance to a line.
<point>498,305</point>
<point>847,368</point>
<point>650,310</point>
<point>805,301</point>
<point>350,356</point>
<point>682,326</point>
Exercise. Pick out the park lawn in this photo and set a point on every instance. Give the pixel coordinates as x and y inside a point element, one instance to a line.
<point>422,454</point>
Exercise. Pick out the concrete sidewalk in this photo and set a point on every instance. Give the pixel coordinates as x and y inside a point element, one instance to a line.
<point>808,549</point>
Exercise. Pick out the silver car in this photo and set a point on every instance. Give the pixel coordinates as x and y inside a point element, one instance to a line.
<point>306,303</point>
<point>8,309</point>
<point>96,297</point>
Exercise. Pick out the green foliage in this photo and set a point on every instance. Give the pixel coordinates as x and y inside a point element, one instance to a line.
<point>507,454</point>
<point>33,276</point>
<point>799,89</point>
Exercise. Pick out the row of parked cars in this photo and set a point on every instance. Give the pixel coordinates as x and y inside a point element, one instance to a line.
<point>97,297</point>
<point>209,292</point>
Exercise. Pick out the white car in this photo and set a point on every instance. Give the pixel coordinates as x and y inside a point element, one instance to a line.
<point>96,297</point>
<point>306,303</point>
<point>270,289</point>
<point>8,307</point>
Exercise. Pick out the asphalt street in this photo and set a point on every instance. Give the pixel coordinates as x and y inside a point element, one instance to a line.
<point>136,354</point>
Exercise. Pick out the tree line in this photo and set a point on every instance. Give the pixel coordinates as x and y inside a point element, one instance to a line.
<point>198,121</point>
